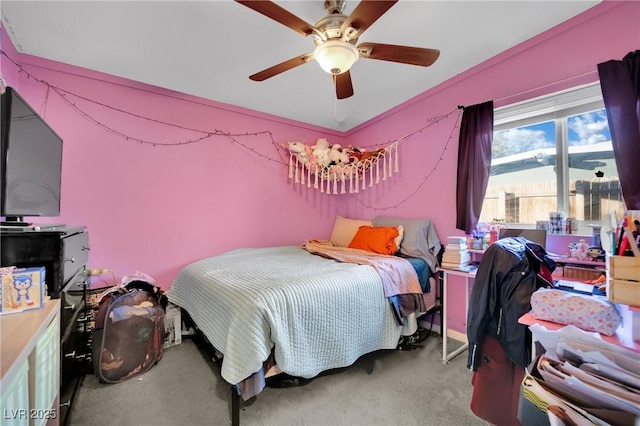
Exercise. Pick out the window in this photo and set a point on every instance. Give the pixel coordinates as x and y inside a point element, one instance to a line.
<point>553,154</point>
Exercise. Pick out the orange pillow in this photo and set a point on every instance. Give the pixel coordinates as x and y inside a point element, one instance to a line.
<point>378,240</point>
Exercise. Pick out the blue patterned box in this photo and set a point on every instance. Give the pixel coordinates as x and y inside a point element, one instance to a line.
<point>22,289</point>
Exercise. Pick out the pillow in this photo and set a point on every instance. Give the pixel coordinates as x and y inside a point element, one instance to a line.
<point>420,238</point>
<point>345,229</point>
<point>378,240</point>
<point>399,238</point>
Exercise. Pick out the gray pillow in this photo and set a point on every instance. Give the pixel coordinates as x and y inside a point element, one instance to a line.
<point>420,238</point>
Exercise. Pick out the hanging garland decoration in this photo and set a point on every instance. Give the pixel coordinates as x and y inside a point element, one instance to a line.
<point>357,174</point>
<point>332,168</point>
<point>204,134</point>
<point>433,169</point>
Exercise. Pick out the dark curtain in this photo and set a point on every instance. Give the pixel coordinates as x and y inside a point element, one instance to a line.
<point>474,163</point>
<point>620,83</point>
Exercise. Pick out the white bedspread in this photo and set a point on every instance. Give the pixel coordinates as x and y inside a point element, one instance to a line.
<point>309,308</point>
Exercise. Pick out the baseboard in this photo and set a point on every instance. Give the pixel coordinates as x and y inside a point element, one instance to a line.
<point>456,335</point>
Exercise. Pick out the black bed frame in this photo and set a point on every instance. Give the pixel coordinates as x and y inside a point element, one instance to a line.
<point>208,349</point>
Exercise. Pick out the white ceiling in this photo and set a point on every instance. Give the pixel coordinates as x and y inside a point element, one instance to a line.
<point>209,48</point>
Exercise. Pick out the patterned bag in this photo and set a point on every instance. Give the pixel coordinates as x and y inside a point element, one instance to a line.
<point>129,331</point>
<point>590,313</point>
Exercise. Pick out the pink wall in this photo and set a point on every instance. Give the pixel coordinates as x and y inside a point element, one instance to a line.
<point>561,58</point>
<point>154,209</point>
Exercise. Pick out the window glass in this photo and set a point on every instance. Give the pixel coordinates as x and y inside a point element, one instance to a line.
<point>522,184</point>
<point>594,187</point>
<point>562,162</point>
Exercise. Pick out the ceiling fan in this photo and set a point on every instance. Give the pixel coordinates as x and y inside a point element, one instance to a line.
<point>335,37</point>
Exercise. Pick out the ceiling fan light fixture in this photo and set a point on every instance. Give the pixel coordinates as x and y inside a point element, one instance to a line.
<point>336,56</point>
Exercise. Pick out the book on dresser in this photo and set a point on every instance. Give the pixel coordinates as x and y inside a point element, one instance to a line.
<point>456,257</point>
<point>457,241</point>
<point>456,247</point>
<point>456,253</point>
<point>454,265</point>
<point>455,260</point>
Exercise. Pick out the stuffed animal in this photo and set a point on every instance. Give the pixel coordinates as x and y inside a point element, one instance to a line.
<point>579,250</point>
<point>320,152</point>
<point>369,154</point>
<point>354,154</point>
<point>337,155</point>
<point>302,151</point>
<point>361,154</point>
<point>595,253</point>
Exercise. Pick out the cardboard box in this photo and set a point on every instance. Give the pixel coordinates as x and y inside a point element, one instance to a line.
<point>623,280</point>
<point>22,289</point>
<point>582,273</point>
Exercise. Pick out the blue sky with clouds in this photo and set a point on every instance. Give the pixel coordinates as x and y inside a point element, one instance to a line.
<point>584,129</point>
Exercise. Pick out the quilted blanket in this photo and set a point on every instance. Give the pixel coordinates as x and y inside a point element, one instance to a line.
<point>306,308</point>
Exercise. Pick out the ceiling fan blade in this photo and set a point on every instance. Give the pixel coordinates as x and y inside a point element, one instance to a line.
<point>364,15</point>
<point>281,15</point>
<point>344,88</point>
<point>402,54</point>
<point>281,67</point>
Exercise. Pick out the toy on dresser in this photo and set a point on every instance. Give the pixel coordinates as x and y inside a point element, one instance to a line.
<point>579,250</point>
<point>22,289</point>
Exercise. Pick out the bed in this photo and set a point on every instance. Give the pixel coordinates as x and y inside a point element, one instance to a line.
<point>306,309</point>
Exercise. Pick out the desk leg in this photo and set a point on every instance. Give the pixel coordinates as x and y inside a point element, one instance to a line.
<point>445,299</point>
<point>446,357</point>
<point>466,300</point>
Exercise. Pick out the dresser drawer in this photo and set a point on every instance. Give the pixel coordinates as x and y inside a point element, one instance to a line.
<point>76,253</point>
<point>73,301</point>
<point>73,362</point>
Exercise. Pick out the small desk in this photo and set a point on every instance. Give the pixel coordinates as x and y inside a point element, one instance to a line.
<point>446,357</point>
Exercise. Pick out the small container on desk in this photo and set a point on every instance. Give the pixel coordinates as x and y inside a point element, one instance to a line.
<point>623,287</point>
<point>623,280</point>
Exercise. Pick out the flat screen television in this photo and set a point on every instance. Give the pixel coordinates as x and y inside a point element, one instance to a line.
<point>31,163</point>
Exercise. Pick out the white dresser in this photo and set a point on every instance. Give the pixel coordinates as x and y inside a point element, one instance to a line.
<point>30,366</point>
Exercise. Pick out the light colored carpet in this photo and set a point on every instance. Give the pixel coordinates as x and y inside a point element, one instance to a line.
<point>382,388</point>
